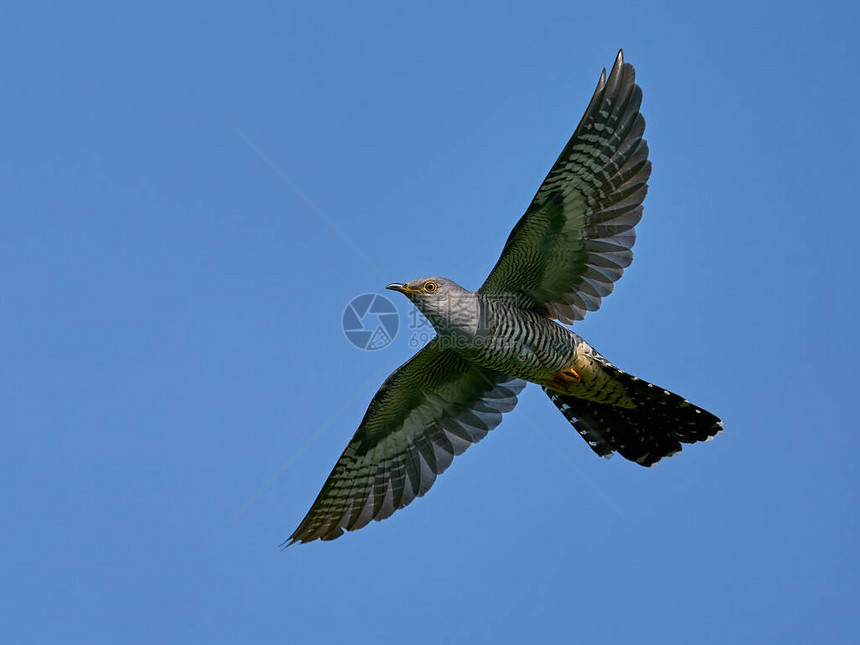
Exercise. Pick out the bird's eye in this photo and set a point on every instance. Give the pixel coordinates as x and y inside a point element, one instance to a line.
<point>430,286</point>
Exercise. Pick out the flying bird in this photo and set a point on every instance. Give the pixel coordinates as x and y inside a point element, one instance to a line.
<point>561,259</point>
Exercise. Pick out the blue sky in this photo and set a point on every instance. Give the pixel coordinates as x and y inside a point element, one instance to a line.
<point>170,326</point>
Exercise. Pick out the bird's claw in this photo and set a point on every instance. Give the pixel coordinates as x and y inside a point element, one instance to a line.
<point>564,379</point>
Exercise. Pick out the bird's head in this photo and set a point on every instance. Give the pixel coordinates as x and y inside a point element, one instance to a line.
<point>444,302</point>
<point>428,290</point>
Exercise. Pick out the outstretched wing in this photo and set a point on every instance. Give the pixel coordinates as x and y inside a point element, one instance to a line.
<point>430,409</point>
<point>575,239</point>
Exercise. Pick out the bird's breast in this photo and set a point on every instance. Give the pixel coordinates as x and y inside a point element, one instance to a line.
<point>523,344</point>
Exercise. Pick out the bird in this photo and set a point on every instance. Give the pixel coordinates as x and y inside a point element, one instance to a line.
<point>561,259</point>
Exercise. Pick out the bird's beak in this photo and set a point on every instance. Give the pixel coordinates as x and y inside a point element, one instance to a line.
<point>402,288</point>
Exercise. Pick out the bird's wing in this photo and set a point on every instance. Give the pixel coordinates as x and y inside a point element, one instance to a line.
<point>430,409</point>
<point>575,239</point>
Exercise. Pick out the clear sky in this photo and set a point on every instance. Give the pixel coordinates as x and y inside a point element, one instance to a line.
<point>170,320</point>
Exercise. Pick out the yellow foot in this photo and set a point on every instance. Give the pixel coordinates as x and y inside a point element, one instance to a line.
<point>569,375</point>
<point>564,379</point>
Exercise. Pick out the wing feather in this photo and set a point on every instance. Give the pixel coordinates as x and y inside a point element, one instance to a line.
<point>576,238</point>
<point>430,409</point>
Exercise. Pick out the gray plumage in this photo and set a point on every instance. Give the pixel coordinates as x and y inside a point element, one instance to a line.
<point>561,259</point>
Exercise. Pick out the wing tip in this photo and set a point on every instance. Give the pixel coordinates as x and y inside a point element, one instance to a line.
<point>303,537</point>
<point>298,537</point>
<point>290,541</point>
<point>622,74</point>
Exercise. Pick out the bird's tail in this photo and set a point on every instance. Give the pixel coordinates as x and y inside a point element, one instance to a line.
<point>654,427</point>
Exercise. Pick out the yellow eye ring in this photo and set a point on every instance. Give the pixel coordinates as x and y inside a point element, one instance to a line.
<point>430,286</point>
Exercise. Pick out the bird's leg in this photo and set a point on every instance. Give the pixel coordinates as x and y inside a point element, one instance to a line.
<point>563,379</point>
<point>569,375</point>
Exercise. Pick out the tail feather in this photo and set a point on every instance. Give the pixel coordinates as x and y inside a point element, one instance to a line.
<point>655,427</point>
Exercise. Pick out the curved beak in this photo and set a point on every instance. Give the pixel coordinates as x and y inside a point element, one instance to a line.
<point>401,287</point>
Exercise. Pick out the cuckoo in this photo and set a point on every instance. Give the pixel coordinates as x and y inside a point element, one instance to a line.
<point>561,259</point>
